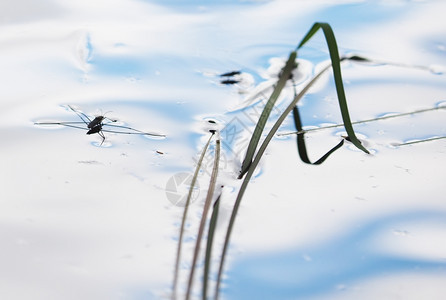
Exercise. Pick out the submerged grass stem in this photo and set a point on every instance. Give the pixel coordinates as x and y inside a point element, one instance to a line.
<point>183,221</point>
<point>206,207</point>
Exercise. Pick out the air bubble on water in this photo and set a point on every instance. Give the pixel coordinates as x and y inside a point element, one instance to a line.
<point>155,136</point>
<point>307,257</point>
<point>400,232</point>
<point>437,69</point>
<point>105,144</point>
<point>388,114</point>
<point>441,104</point>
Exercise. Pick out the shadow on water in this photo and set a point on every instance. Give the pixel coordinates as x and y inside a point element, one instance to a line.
<point>322,269</point>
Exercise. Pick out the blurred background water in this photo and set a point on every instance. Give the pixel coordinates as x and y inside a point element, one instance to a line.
<point>84,221</point>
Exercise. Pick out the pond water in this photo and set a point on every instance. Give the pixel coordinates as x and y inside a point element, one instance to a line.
<point>85,220</point>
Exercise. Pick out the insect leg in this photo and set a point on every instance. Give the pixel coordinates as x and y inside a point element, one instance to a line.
<point>67,124</point>
<point>81,115</point>
<point>102,136</point>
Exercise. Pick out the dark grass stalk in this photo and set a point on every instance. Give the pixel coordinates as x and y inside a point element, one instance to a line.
<point>301,146</point>
<point>183,221</point>
<point>285,75</point>
<point>210,242</point>
<point>206,207</point>
<point>251,170</point>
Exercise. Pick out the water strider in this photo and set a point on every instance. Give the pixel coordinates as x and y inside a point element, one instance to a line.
<point>97,124</point>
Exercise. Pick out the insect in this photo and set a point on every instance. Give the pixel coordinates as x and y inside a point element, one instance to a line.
<point>230,74</point>
<point>229,81</point>
<point>97,125</point>
<point>228,78</point>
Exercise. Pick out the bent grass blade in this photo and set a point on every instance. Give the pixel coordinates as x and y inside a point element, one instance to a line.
<point>301,146</point>
<point>289,66</point>
<point>336,66</point>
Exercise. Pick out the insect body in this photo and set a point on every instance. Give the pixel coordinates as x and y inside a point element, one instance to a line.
<point>230,74</point>
<point>229,81</point>
<point>97,124</point>
<point>228,77</point>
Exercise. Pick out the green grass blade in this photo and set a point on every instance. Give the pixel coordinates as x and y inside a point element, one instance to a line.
<point>289,66</point>
<point>206,207</point>
<point>183,221</point>
<point>210,242</point>
<point>336,65</point>
<point>301,146</point>
<point>309,35</point>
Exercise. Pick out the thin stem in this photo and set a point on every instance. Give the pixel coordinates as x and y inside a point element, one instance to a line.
<point>206,207</point>
<point>183,221</point>
<point>421,141</point>
<point>254,141</point>
<point>365,121</point>
<point>210,242</point>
